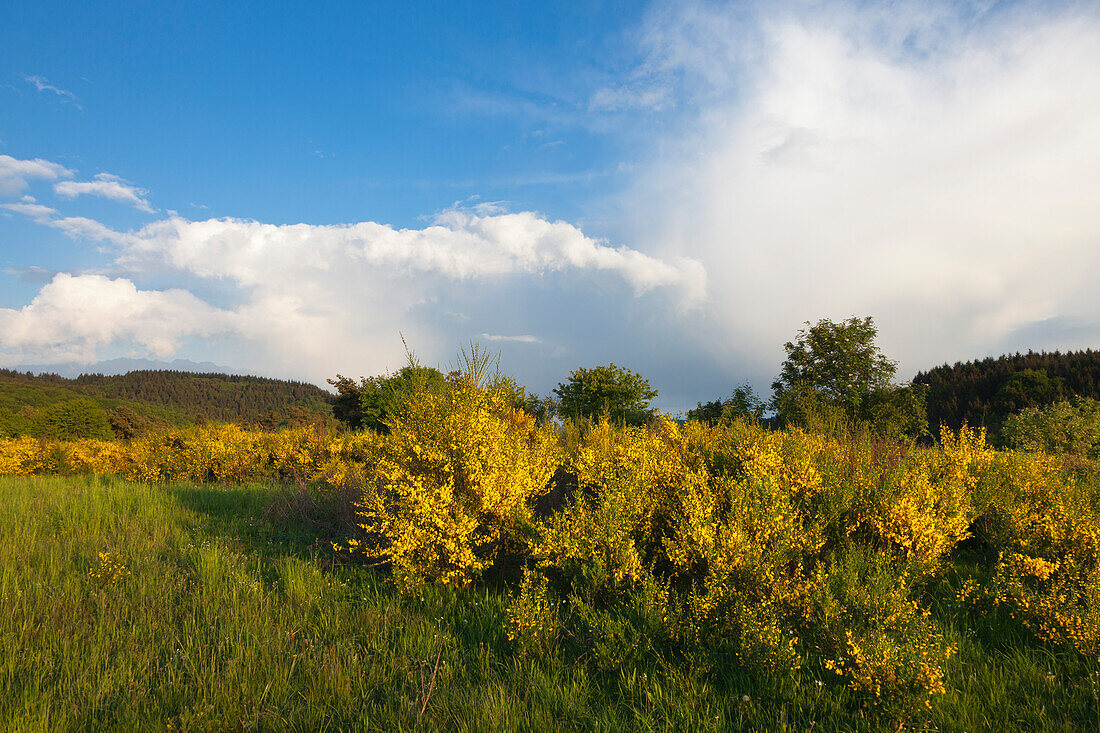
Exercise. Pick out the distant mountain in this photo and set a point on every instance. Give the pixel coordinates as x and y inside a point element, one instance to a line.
<point>122,365</point>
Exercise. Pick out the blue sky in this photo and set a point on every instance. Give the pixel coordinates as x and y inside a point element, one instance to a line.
<point>675,187</point>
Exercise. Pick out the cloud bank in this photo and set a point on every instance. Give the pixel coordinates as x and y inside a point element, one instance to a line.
<point>308,297</point>
<point>73,317</point>
<point>932,165</point>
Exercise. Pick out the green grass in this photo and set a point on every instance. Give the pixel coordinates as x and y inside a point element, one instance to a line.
<point>234,617</point>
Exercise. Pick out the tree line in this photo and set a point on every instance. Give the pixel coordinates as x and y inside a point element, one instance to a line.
<point>126,405</point>
<point>984,393</point>
<point>834,375</point>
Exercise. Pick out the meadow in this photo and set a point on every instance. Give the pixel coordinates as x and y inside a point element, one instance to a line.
<point>472,569</point>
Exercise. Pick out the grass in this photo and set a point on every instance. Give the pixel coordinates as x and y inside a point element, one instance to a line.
<point>233,616</point>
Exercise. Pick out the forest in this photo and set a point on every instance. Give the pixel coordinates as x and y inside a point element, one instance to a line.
<point>127,405</point>
<point>983,393</point>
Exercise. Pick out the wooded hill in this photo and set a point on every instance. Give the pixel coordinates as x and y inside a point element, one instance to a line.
<point>983,393</point>
<point>140,400</point>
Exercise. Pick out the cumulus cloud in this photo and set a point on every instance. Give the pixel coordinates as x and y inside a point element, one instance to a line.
<point>459,245</point>
<point>930,165</point>
<point>106,186</point>
<point>312,298</point>
<point>73,317</point>
<point>15,174</point>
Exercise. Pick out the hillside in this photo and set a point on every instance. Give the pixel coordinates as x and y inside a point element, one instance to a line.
<point>140,400</point>
<point>983,393</point>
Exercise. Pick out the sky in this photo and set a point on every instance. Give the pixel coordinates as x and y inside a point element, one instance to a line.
<point>291,189</point>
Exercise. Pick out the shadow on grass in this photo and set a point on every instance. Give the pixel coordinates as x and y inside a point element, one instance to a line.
<point>271,519</point>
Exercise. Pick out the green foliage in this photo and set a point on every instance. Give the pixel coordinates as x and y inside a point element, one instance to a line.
<point>983,393</point>
<point>835,377</point>
<point>898,413</point>
<point>379,397</point>
<point>838,362</point>
<point>79,418</point>
<point>1062,427</point>
<point>1028,388</point>
<point>742,404</point>
<point>369,403</point>
<point>608,390</point>
<point>153,400</point>
<point>126,423</point>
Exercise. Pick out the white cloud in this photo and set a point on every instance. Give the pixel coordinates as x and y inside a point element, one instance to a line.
<point>458,246</point>
<point>38,212</point>
<point>77,227</point>
<point>43,85</point>
<point>106,186</point>
<point>15,174</point>
<point>72,317</point>
<point>932,168</point>
<point>317,299</point>
<point>83,227</point>
<point>522,339</point>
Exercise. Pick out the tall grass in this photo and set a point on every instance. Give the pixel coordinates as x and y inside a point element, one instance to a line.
<point>229,616</point>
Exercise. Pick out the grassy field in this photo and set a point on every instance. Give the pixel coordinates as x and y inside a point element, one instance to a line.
<point>217,608</point>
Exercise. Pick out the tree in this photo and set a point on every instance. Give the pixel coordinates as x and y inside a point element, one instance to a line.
<point>369,402</point>
<point>127,424</point>
<point>833,363</point>
<point>612,390</point>
<point>1061,427</point>
<point>835,374</point>
<point>1028,388</point>
<point>345,407</point>
<point>79,418</point>
<point>743,403</point>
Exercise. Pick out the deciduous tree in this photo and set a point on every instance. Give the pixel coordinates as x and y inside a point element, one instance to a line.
<point>621,394</point>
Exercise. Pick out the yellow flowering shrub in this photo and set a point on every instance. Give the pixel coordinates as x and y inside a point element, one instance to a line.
<point>924,505</point>
<point>456,475</point>
<point>875,635</point>
<point>210,453</point>
<point>739,538</point>
<point>26,456</point>
<point>95,456</point>
<point>624,477</point>
<point>1045,527</point>
<point>296,454</point>
<point>347,460</point>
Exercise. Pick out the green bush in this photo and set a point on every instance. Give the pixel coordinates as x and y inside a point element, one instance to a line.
<point>1063,427</point>
<point>79,418</point>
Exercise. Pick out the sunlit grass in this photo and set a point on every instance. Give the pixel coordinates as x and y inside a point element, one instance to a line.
<point>230,616</point>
